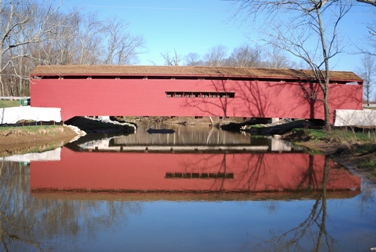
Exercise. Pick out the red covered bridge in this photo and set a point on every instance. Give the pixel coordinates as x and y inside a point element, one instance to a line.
<point>190,91</point>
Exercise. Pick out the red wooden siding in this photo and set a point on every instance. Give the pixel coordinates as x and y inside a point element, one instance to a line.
<point>148,97</point>
<point>224,91</point>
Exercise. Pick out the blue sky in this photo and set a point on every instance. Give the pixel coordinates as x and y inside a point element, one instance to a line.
<point>197,25</point>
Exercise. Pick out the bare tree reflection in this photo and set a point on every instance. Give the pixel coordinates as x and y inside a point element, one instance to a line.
<point>313,228</point>
<point>28,223</point>
<point>367,210</point>
<point>208,164</point>
<point>254,172</point>
<point>367,198</point>
<point>258,172</point>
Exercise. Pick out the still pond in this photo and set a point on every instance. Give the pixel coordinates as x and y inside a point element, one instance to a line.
<point>198,189</point>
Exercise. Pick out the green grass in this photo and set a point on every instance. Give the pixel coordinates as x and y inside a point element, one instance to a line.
<point>34,129</point>
<point>257,126</point>
<point>365,149</point>
<point>370,164</point>
<point>314,134</point>
<point>338,135</point>
<point>8,103</point>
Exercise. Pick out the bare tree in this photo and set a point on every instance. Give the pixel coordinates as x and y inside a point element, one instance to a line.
<point>242,56</point>
<point>367,74</point>
<point>216,56</point>
<point>85,39</point>
<point>171,60</point>
<point>372,31</point>
<point>121,46</point>
<point>246,56</point>
<point>193,59</point>
<point>371,2</point>
<point>35,32</point>
<point>276,58</point>
<point>14,32</point>
<point>90,30</point>
<point>307,30</point>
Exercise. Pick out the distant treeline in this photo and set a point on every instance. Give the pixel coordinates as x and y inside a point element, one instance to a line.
<point>33,33</point>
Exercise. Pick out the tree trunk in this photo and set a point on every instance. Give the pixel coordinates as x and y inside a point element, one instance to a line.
<point>2,85</point>
<point>325,86</point>
<point>328,127</point>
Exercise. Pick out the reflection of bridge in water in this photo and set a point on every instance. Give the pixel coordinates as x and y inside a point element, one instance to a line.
<point>136,172</point>
<point>183,140</point>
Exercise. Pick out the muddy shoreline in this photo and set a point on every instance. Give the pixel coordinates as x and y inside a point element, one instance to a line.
<point>345,155</point>
<point>20,141</point>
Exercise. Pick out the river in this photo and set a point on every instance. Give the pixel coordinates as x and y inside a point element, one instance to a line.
<point>198,189</point>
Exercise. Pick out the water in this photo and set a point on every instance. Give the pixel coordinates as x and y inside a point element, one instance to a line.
<point>99,195</point>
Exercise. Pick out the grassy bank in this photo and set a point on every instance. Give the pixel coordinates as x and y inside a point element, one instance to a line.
<point>8,103</point>
<point>31,130</point>
<point>355,148</point>
<point>342,136</point>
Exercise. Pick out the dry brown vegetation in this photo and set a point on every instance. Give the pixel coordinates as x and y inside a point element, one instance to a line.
<point>19,140</point>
